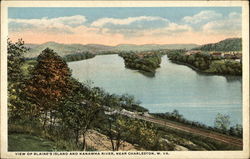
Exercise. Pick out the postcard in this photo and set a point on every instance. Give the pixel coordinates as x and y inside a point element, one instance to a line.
<point>125,79</point>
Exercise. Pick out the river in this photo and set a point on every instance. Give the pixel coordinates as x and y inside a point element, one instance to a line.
<point>197,96</point>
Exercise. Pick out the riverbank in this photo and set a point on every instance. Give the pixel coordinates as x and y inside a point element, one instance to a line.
<point>206,72</point>
<point>206,63</point>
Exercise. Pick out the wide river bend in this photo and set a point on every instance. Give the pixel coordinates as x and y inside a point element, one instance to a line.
<point>197,96</point>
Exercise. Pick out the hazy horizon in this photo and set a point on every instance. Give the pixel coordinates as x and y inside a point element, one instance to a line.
<point>107,45</point>
<point>120,44</point>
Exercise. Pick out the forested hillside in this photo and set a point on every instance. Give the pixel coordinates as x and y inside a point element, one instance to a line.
<point>63,49</point>
<point>68,49</point>
<point>232,44</point>
<point>150,47</point>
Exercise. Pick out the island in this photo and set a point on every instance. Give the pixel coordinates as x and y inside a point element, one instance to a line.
<point>145,62</point>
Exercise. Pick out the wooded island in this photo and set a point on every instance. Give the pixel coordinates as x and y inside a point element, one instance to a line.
<point>145,62</point>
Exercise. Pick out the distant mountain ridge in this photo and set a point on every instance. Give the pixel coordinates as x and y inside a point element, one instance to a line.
<point>230,44</point>
<point>145,47</point>
<point>63,49</point>
<point>66,49</point>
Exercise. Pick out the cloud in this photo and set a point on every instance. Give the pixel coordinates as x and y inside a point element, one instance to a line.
<point>172,29</point>
<point>125,21</point>
<point>202,16</point>
<point>204,27</point>
<point>234,15</point>
<point>230,25</point>
<point>131,26</point>
<point>139,26</point>
<point>55,25</point>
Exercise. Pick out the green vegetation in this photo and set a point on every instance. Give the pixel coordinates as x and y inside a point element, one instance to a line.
<point>152,47</point>
<point>53,105</point>
<point>50,110</point>
<point>205,62</point>
<point>64,49</point>
<point>222,122</point>
<point>124,101</point>
<point>27,142</point>
<point>192,141</point>
<point>221,125</point>
<point>78,57</point>
<point>146,63</point>
<point>67,49</point>
<point>229,67</point>
<point>16,78</point>
<point>67,58</point>
<point>232,44</point>
<point>120,128</point>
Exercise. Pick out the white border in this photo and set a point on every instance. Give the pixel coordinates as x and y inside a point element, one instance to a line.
<point>172,154</point>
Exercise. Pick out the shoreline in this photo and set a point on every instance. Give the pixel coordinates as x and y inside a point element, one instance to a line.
<point>202,72</point>
<point>151,74</point>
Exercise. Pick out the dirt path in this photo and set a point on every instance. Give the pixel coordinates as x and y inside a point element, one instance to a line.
<point>213,135</point>
<point>205,133</point>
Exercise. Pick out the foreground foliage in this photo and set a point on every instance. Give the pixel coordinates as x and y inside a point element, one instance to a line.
<point>27,142</point>
<point>221,123</point>
<point>51,109</point>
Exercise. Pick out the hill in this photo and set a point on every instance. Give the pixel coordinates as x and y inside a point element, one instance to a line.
<point>147,47</point>
<point>63,49</point>
<point>67,49</point>
<point>231,44</point>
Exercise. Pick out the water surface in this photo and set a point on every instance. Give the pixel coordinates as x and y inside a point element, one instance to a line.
<point>197,96</point>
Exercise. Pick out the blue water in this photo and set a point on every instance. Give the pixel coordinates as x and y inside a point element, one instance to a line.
<point>198,97</point>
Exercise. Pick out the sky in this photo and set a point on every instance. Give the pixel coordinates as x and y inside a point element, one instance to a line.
<point>124,25</point>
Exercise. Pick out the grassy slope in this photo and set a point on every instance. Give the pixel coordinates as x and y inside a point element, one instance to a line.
<point>27,142</point>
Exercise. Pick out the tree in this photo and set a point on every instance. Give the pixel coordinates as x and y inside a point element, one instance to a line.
<point>79,117</point>
<point>49,84</point>
<point>80,110</point>
<point>236,130</point>
<point>143,133</point>
<point>15,52</point>
<point>116,128</point>
<point>222,122</point>
<point>128,101</point>
<point>111,100</point>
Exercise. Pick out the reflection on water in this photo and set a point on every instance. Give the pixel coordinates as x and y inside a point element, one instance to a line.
<point>233,78</point>
<point>229,78</point>
<point>197,96</point>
